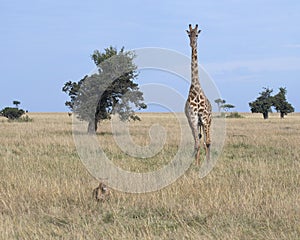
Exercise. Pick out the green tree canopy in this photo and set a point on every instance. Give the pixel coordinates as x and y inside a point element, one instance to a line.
<point>280,103</point>
<point>110,90</point>
<point>263,103</point>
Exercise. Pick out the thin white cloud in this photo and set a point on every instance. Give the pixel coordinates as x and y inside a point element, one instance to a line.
<point>259,65</point>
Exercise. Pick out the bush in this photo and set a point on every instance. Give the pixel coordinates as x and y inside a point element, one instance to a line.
<point>234,115</point>
<point>220,115</point>
<point>12,113</point>
<point>22,119</point>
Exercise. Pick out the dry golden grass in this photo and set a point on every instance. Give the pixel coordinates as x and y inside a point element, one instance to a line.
<point>252,193</point>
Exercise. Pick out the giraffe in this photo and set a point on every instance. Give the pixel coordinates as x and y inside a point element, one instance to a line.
<point>198,108</point>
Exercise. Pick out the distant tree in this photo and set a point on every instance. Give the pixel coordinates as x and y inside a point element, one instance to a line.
<point>220,102</point>
<point>111,90</point>
<point>227,106</point>
<point>263,103</point>
<point>12,113</point>
<point>17,103</point>
<point>280,103</point>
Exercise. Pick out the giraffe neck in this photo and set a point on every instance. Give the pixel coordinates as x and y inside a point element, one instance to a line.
<point>194,68</point>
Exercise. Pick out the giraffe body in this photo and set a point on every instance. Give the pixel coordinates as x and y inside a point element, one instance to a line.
<point>198,108</point>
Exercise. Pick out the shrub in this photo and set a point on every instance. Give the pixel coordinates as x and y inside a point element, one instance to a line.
<point>234,115</point>
<point>23,119</point>
<point>12,113</point>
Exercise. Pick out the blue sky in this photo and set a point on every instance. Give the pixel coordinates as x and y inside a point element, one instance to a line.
<point>244,45</point>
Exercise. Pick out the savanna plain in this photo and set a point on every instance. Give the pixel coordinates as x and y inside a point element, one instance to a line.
<point>253,192</point>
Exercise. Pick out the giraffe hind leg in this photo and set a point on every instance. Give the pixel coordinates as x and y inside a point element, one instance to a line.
<point>207,142</point>
<point>200,129</point>
<point>197,157</point>
<point>200,126</point>
<point>200,136</point>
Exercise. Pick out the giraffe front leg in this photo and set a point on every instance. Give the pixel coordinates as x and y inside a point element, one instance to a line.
<point>193,122</point>
<point>198,156</point>
<point>197,141</point>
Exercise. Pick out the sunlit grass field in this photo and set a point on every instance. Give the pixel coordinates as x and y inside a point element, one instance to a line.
<point>253,192</point>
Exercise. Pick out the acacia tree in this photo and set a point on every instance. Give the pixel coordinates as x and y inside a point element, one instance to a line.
<point>227,106</point>
<point>220,102</point>
<point>263,103</point>
<point>17,103</point>
<point>280,103</point>
<point>110,90</point>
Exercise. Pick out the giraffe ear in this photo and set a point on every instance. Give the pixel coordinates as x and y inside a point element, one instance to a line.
<point>199,31</point>
<point>188,32</point>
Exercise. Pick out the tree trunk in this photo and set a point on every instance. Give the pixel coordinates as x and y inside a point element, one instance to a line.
<point>92,127</point>
<point>281,114</point>
<point>266,115</point>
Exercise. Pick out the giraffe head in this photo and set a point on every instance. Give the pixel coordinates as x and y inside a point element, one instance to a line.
<point>193,35</point>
